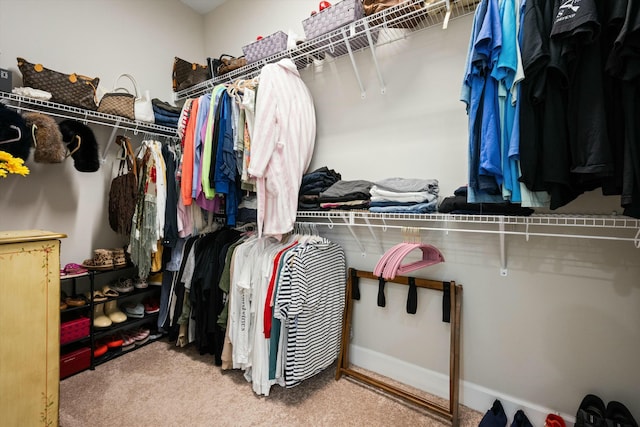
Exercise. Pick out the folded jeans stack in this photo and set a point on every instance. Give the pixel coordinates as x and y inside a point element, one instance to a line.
<point>165,114</point>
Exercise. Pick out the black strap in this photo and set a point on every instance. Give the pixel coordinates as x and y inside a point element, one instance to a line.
<point>446,302</point>
<point>355,284</point>
<point>412,299</point>
<point>382,302</point>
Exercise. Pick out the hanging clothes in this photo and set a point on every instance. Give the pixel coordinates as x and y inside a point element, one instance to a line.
<point>281,145</point>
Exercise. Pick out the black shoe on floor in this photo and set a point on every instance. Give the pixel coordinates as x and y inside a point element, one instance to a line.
<point>619,416</point>
<point>591,412</point>
<point>495,417</point>
<point>521,420</point>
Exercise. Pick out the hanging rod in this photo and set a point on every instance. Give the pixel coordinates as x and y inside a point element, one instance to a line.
<point>19,102</point>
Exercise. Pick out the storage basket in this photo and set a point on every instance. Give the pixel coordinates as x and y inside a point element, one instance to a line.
<point>270,45</point>
<point>75,362</point>
<point>74,330</point>
<point>333,17</point>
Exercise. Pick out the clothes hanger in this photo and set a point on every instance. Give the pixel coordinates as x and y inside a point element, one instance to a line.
<point>18,138</point>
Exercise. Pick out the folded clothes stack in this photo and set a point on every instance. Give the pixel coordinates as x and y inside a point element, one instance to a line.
<point>404,195</point>
<point>346,195</point>
<point>457,204</point>
<point>314,183</point>
<point>165,113</point>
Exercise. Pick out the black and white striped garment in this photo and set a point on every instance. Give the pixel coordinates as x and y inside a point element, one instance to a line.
<point>311,299</point>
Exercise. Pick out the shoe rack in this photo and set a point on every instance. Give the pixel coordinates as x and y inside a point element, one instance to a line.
<point>82,341</point>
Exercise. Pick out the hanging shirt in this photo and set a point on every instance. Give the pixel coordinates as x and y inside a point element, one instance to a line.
<point>282,144</point>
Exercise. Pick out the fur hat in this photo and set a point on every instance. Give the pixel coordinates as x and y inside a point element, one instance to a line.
<point>82,145</point>
<point>46,138</point>
<point>13,126</point>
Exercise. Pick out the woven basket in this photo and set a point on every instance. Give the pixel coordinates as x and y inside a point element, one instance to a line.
<point>270,45</point>
<point>333,17</point>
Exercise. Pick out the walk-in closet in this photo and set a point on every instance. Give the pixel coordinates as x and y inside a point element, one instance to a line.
<point>312,213</point>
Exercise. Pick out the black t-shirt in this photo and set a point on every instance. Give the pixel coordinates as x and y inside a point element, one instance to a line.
<point>577,28</point>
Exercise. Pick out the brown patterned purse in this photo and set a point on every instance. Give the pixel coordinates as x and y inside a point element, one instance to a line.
<point>187,74</point>
<point>119,102</point>
<point>69,89</point>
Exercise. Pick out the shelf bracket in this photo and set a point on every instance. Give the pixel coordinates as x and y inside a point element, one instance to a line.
<point>503,253</point>
<point>373,234</point>
<point>363,92</point>
<point>383,88</point>
<point>349,221</point>
<point>112,138</point>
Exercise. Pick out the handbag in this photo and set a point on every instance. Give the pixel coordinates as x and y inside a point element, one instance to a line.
<point>120,102</point>
<point>225,63</point>
<point>403,7</point>
<point>186,74</point>
<point>69,89</point>
<point>143,109</point>
<point>123,192</point>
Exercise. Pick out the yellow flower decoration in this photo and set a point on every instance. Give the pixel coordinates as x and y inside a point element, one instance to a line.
<point>10,164</point>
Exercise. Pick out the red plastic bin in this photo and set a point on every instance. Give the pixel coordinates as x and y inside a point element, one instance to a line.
<point>75,362</point>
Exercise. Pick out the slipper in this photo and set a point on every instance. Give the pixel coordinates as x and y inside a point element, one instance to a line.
<point>73,268</point>
<point>77,301</point>
<point>123,286</point>
<point>114,341</point>
<point>108,291</point>
<point>63,305</point>
<point>100,350</point>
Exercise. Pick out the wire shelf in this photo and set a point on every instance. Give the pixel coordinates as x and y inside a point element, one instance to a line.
<point>378,29</point>
<point>20,102</point>
<point>617,227</point>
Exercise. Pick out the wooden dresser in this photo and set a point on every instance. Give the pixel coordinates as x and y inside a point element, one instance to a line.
<point>30,327</point>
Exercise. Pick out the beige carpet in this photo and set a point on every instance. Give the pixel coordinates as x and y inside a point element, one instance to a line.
<point>161,385</point>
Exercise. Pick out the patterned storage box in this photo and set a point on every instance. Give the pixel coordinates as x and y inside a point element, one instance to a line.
<point>333,17</point>
<point>75,362</point>
<point>74,330</point>
<point>270,45</point>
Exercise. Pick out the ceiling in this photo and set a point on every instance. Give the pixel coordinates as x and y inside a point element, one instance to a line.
<point>203,6</point>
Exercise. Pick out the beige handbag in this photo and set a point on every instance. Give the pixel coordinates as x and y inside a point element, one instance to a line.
<point>120,102</point>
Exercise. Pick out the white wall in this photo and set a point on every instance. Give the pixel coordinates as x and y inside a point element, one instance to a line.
<point>563,323</point>
<point>102,38</point>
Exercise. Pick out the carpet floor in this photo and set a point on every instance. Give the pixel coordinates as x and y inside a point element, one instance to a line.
<point>162,385</point>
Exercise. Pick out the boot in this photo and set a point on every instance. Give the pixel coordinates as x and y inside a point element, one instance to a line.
<point>112,311</point>
<point>99,319</point>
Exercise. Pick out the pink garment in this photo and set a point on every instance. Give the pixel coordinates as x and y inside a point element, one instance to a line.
<point>281,145</point>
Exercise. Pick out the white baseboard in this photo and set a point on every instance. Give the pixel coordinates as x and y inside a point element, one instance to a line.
<point>471,395</point>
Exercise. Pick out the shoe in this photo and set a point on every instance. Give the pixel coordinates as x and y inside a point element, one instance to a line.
<point>133,310</point>
<point>141,336</point>
<point>591,412</point>
<point>127,341</point>
<point>77,301</point>
<point>141,283</point>
<point>112,311</point>
<point>151,305</point>
<point>619,416</point>
<point>123,285</point>
<point>521,420</point>
<point>100,350</point>
<point>495,417</point>
<point>113,342</point>
<point>554,420</point>
<point>99,318</point>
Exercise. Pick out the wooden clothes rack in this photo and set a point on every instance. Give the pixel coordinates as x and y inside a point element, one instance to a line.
<point>455,301</point>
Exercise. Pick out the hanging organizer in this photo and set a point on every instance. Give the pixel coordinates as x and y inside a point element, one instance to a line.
<point>452,300</point>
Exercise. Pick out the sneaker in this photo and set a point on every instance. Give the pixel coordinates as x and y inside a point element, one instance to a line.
<point>591,412</point>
